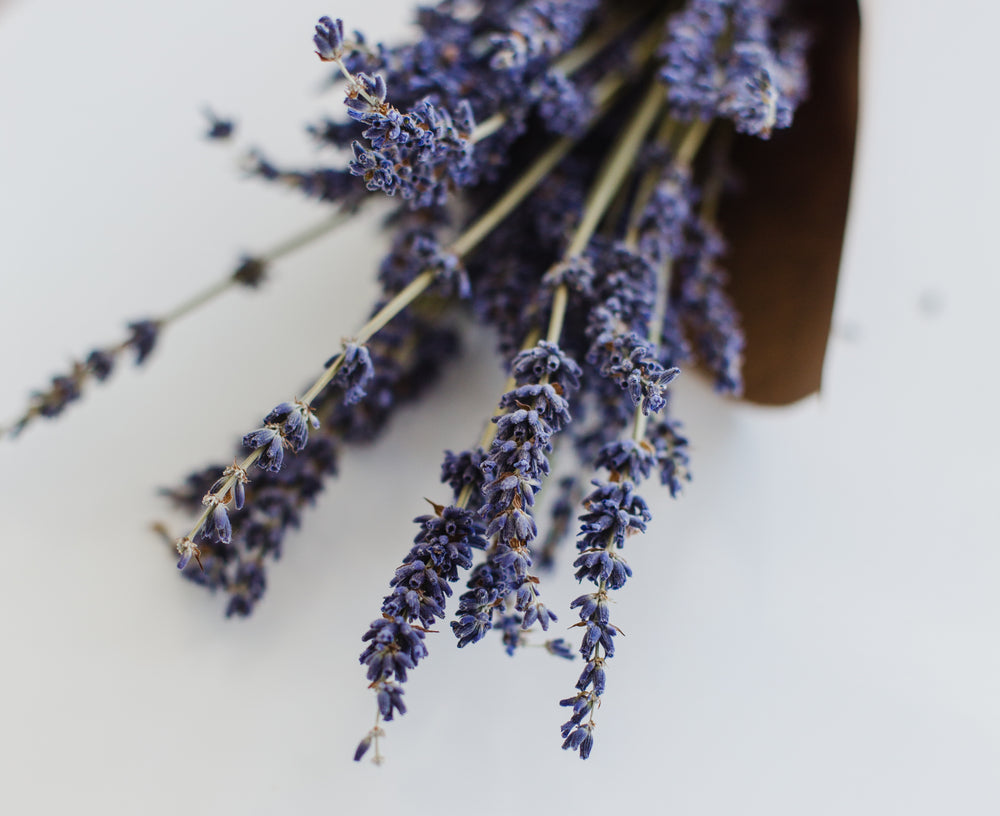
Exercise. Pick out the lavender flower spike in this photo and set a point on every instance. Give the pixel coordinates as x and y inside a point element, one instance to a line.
<point>421,587</point>
<point>514,468</point>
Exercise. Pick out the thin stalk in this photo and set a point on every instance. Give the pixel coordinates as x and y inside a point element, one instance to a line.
<point>610,177</point>
<point>307,236</point>
<point>712,190</point>
<point>647,184</point>
<point>82,374</point>
<point>616,167</point>
<point>692,141</point>
<point>286,247</point>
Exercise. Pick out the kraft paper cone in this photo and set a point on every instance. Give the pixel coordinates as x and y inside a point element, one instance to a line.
<point>785,228</point>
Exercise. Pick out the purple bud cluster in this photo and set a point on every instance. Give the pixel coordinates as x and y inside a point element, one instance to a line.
<point>760,80</point>
<point>421,155</point>
<point>539,29</point>
<point>631,363</point>
<point>286,426</point>
<point>420,589</point>
<point>219,129</point>
<point>325,184</point>
<point>413,108</point>
<point>416,251</point>
<point>464,471</point>
<point>707,311</point>
<point>355,372</point>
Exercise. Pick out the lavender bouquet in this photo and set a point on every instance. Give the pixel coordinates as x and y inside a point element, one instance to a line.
<point>557,170</point>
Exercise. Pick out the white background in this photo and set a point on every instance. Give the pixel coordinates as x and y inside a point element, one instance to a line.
<point>812,629</point>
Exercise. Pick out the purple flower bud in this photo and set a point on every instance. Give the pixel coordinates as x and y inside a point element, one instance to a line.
<point>142,338</point>
<point>329,39</point>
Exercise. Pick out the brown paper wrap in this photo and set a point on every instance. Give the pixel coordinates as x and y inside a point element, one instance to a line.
<point>786,227</point>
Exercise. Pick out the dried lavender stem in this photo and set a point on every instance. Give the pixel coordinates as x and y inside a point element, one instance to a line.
<point>692,141</point>
<point>560,299</point>
<point>307,236</point>
<point>616,168</point>
<point>611,176</point>
<point>647,184</point>
<point>690,144</point>
<point>639,425</point>
<point>488,127</point>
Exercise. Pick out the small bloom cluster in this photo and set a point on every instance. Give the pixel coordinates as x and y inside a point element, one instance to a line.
<point>415,251</point>
<point>286,426</point>
<point>421,154</point>
<point>219,129</point>
<point>667,216</point>
<point>760,82</point>
<point>539,29</point>
<point>464,472</point>
<point>495,63</point>
<point>325,184</point>
<point>631,362</point>
<point>355,371</point>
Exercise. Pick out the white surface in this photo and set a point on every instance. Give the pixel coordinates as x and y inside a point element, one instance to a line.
<point>813,629</point>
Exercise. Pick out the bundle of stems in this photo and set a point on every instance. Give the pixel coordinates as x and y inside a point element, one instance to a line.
<point>547,160</point>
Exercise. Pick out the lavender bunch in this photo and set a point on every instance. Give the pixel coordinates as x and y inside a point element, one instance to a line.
<point>545,157</point>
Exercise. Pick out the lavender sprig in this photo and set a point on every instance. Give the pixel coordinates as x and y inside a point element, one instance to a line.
<point>421,586</point>
<point>144,335</point>
<point>407,358</point>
